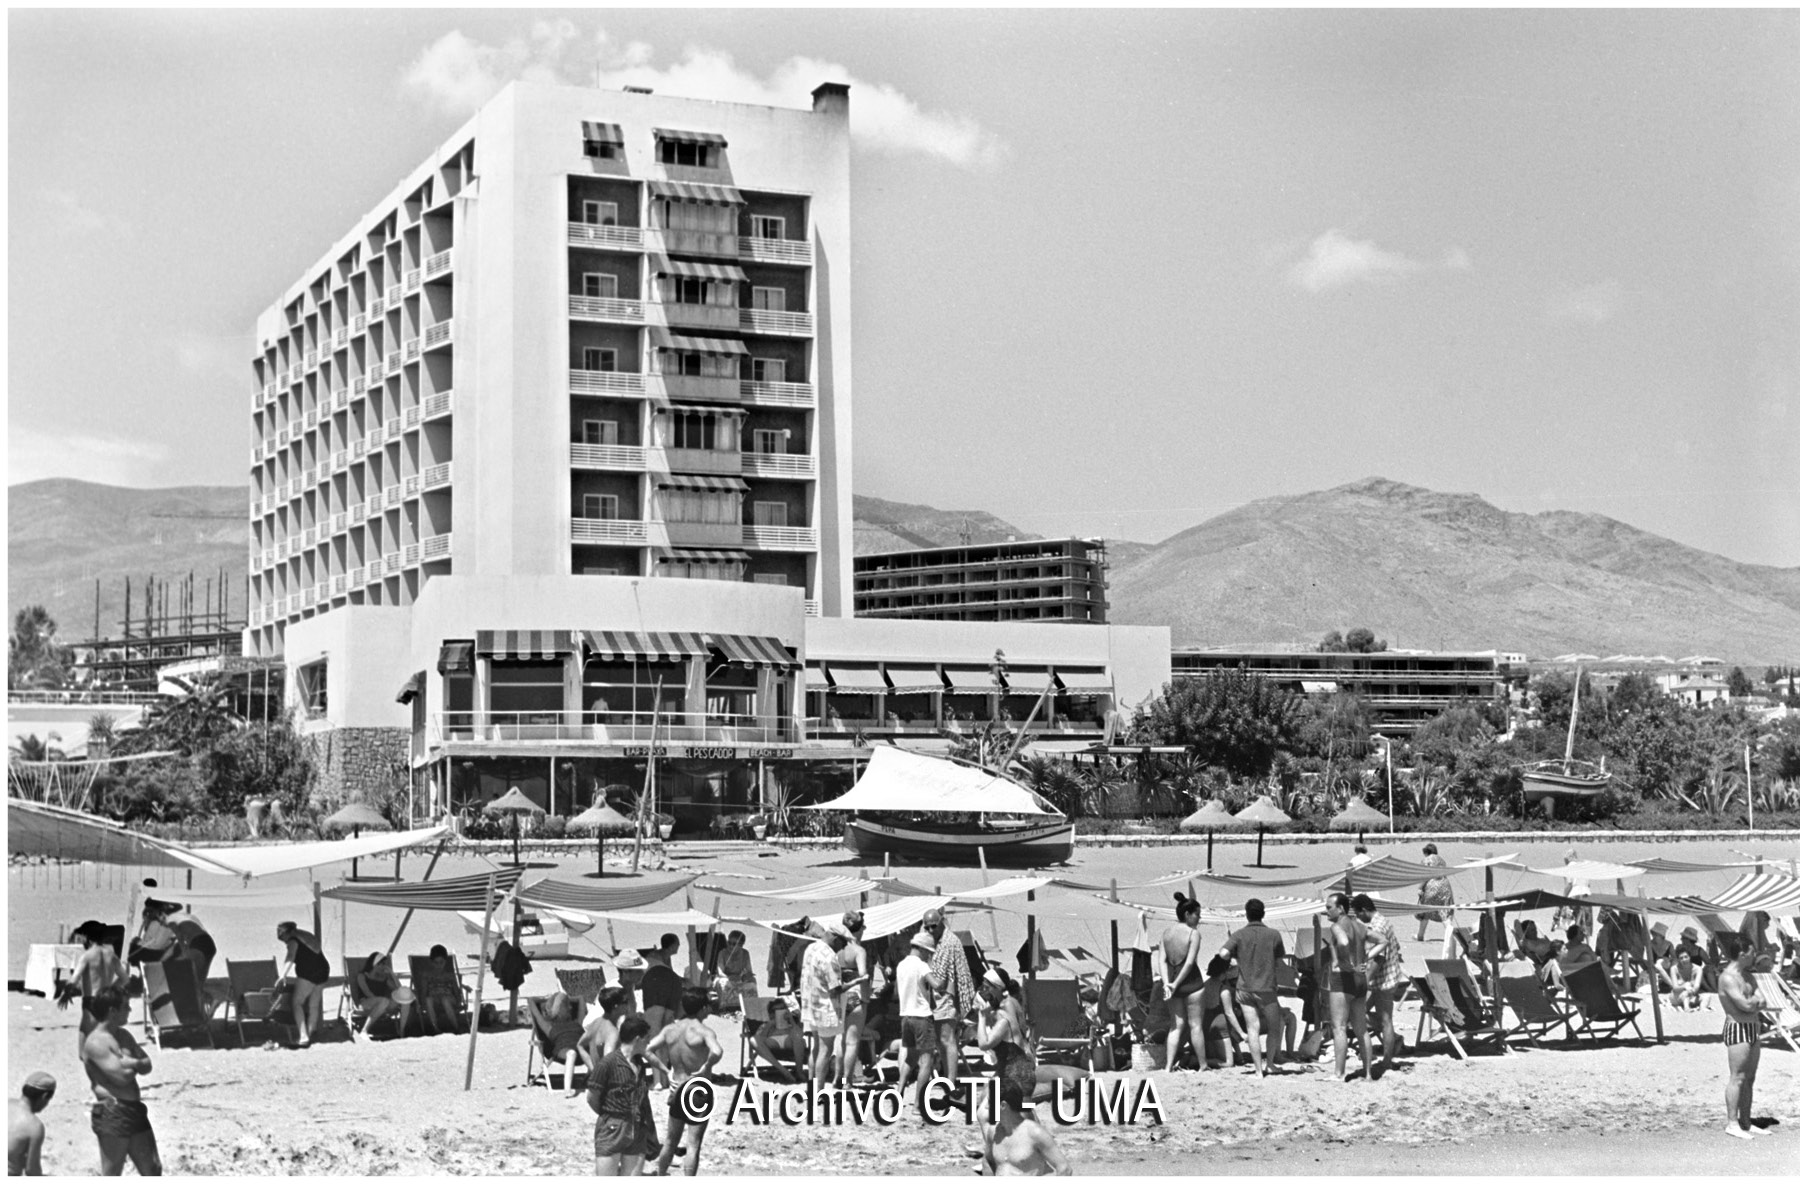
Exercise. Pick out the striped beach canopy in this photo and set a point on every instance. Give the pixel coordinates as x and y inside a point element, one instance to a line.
<point>1383,872</point>
<point>1588,870</point>
<point>601,897</point>
<point>882,921</point>
<point>524,643</point>
<point>753,651</point>
<point>655,646</point>
<point>1773,892</point>
<point>912,680</point>
<point>822,890</point>
<point>453,893</point>
<point>1079,681</point>
<point>1665,865</point>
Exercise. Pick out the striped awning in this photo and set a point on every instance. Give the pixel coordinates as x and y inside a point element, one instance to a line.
<point>697,345</point>
<point>457,658</point>
<point>753,651</point>
<point>912,680</point>
<point>1772,892</point>
<point>702,271</point>
<point>595,898</point>
<point>704,555</point>
<point>698,481</point>
<point>1080,681</point>
<point>602,133</point>
<point>524,643</point>
<point>714,409</point>
<point>412,687</point>
<point>458,892</point>
<point>683,137</point>
<point>970,682</point>
<point>691,191</point>
<point>653,646</point>
<point>816,678</point>
<point>857,679</point>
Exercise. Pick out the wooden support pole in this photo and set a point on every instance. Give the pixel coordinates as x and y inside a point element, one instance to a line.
<point>483,961</point>
<point>515,941</point>
<point>1114,928</point>
<point>315,885</point>
<point>690,941</point>
<point>985,880</point>
<point>1657,1008</point>
<point>1031,973</point>
<point>1494,949</point>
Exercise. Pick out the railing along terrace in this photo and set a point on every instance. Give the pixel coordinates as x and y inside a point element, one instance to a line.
<point>616,728</point>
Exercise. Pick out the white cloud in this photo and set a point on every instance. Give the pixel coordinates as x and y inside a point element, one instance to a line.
<point>456,74</point>
<point>1591,305</point>
<point>69,213</point>
<point>32,454</point>
<point>1334,259</point>
<point>199,355</point>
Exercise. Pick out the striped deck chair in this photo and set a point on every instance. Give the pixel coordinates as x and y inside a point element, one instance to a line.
<point>1597,1007</point>
<point>172,999</point>
<point>581,983</point>
<point>1059,1020</point>
<point>1457,1013</point>
<point>1534,1009</point>
<point>1779,1009</point>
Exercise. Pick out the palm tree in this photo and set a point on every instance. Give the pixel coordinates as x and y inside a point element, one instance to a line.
<point>102,733</point>
<point>33,658</point>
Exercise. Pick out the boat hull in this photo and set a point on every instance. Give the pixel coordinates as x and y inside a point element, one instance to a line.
<point>1550,784</point>
<point>1017,847</point>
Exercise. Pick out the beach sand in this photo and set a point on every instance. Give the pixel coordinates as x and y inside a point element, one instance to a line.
<point>398,1107</point>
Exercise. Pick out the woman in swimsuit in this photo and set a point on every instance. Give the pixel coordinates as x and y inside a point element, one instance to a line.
<point>1184,979</point>
<point>379,985</point>
<point>1001,1016</point>
<point>1349,983</point>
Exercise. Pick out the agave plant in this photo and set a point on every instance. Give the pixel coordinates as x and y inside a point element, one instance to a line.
<point>1777,796</point>
<point>1426,793</point>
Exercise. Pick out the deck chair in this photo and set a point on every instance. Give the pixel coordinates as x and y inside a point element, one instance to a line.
<point>539,1047</point>
<point>754,1013</point>
<point>1599,1012</point>
<point>1465,992</point>
<point>581,983</point>
<point>359,1003</point>
<point>1059,1020</point>
<point>418,973</point>
<point>172,999</point>
<point>1534,1009</point>
<point>1775,1001</point>
<point>1449,1009</point>
<point>252,991</point>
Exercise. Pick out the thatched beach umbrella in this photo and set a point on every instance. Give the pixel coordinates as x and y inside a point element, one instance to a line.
<point>1211,818</point>
<point>607,821</point>
<point>1264,814</point>
<point>514,804</point>
<point>1357,816</point>
<point>357,816</point>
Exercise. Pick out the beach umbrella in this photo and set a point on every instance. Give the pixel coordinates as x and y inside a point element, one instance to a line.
<point>1357,816</point>
<point>1210,818</point>
<point>607,821</point>
<point>514,804</point>
<point>357,816</point>
<point>1264,814</point>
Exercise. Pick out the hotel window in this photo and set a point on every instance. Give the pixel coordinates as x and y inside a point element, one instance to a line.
<point>693,430</point>
<point>769,298</point>
<point>675,215</point>
<point>769,514</point>
<point>768,370</point>
<point>526,685</point>
<point>601,213</point>
<point>601,150</point>
<point>697,156</point>
<point>602,572</point>
<point>700,506</point>
<point>600,285</point>
<point>596,358</point>
<point>602,432</point>
<point>777,578</point>
<point>766,226</point>
<point>686,290</point>
<point>692,362</point>
<point>602,506</point>
<point>310,685</point>
<point>770,440</point>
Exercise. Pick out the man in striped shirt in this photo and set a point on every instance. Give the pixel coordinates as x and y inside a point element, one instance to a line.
<point>952,981</point>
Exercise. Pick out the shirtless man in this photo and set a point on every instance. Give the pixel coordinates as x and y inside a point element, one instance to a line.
<point>603,1034</point>
<point>1014,1144</point>
<point>114,1061</point>
<point>99,969</point>
<point>780,1037</point>
<point>24,1130</point>
<point>1349,985</point>
<point>1739,1000</point>
<point>683,1050</point>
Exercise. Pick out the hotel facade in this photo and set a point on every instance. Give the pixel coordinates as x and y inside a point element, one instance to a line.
<point>551,469</point>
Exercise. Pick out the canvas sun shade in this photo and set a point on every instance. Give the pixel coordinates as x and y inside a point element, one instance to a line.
<point>909,680</point>
<point>39,829</point>
<point>898,781</point>
<point>453,893</point>
<point>856,679</point>
<point>600,898</point>
<point>656,646</point>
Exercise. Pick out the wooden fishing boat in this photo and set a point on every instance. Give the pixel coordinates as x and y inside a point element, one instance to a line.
<point>1548,783</point>
<point>1006,844</point>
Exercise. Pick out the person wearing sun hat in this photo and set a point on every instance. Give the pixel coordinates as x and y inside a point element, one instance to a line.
<point>24,1130</point>
<point>820,992</point>
<point>915,1008</point>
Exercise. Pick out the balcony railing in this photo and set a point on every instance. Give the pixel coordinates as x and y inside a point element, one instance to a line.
<point>583,234</point>
<point>779,538</point>
<point>693,316</point>
<point>339,523</point>
<point>436,405</point>
<point>436,476</point>
<point>441,262</point>
<point>412,279</point>
<point>392,428</point>
<point>778,465</point>
<point>620,457</point>
<point>608,530</point>
<point>775,250</point>
<point>341,399</point>
<point>602,308</point>
<point>358,323</point>
<point>411,349</point>
<point>394,295</point>
<point>769,321</point>
<point>339,337</point>
<point>436,547</point>
<point>376,307</point>
<point>395,361</point>
<point>373,376</point>
<point>392,563</point>
<point>411,486</point>
<point>779,394</point>
<point>616,728</point>
<point>337,585</point>
<point>437,334</point>
<point>392,496</point>
<point>411,417</point>
<point>310,360</point>
<point>411,556</point>
<point>607,382</point>
<point>358,384</point>
<point>703,460</point>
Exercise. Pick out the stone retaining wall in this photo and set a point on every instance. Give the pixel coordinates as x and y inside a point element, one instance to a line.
<point>357,765</point>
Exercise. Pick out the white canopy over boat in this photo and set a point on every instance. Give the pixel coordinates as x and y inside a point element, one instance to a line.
<point>898,781</point>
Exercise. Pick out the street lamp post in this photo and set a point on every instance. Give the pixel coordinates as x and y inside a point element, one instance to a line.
<point>1390,779</point>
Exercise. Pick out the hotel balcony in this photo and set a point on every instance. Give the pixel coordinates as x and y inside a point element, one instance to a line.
<point>436,547</point>
<point>713,535</point>
<point>438,334</point>
<point>775,250</point>
<point>703,460</point>
<point>779,538</point>
<point>693,387</point>
<point>692,242</point>
<point>608,382</point>
<point>612,728</point>
<point>693,316</point>
<point>776,323</point>
<point>604,308</point>
<point>436,406</point>
<point>619,458</point>
<point>623,238</point>
<point>778,394</point>
<point>797,465</point>
<point>629,531</point>
<point>438,265</point>
<point>436,477</point>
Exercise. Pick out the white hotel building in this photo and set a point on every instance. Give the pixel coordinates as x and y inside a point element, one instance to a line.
<point>551,463</point>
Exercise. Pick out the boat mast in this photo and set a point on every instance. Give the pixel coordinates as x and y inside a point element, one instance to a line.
<point>1575,703</point>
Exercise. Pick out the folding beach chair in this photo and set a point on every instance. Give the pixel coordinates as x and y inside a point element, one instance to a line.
<point>581,983</point>
<point>1476,1008</point>
<point>251,991</point>
<point>172,999</point>
<point>1597,1007</point>
<point>1443,1006</point>
<point>1775,1006</point>
<point>1533,1007</point>
<point>419,972</point>
<point>355,999</point>
<point>539,1047</point>
<point>1059,1021</point>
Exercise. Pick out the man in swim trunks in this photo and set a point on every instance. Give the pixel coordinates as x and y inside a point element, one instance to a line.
<point>24,1130</point>
<point>1257,949</point>
<point>114,1060</point>
<point>99,968</point>
<point>1741,1033</point>
<point>603,1034</point>
<point>618,1095</point>
<point>1349,985</point>
<point>1387,971</point>
<point>684,1050</point>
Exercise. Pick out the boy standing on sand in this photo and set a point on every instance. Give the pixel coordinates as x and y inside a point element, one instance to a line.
<point>689,1049</point>
<point>24,1130</point>
<point>1739,999</point>
<point>114,1061</point>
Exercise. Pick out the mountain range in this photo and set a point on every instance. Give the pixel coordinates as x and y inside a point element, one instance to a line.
<point>1418,567</point>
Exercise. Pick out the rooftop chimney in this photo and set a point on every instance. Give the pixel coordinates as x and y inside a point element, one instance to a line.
<point>831,98</point>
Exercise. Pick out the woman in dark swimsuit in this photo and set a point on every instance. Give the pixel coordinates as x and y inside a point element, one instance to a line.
<point>1184,979</point>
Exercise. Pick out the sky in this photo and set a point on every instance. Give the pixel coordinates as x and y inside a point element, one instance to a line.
<point>1114,272</point>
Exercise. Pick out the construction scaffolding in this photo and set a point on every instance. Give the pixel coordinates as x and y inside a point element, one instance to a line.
<point>177,622</point>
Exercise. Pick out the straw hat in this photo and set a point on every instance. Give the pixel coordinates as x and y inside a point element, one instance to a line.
<point>921,941</point>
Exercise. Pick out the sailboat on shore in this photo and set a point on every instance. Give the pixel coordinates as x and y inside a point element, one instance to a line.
<point>1550,782</point>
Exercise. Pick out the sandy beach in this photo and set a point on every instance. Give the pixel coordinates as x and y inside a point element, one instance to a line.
<point>398,1107</point>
